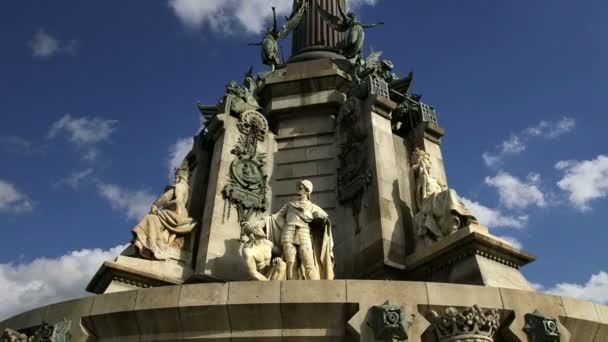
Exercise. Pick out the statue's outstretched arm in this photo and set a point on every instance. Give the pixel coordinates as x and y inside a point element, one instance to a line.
<point>163,199</point>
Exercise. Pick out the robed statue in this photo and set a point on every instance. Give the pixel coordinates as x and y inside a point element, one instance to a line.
<point>303,231</point>
<point>347,22</point>
<point>441,212</point>
<point>167,219</point>
<point>270,43</point>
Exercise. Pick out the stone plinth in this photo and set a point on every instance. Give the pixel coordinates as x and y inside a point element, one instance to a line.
<point>470,256</point>
<point>339,310</point>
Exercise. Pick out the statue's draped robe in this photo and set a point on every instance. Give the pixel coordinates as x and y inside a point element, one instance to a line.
<point>155,232</point>
<point>436,205</point>
<point>320,233</point>
<point>355,39</point>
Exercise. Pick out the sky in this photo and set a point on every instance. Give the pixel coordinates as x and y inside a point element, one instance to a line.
<point>97,105</point>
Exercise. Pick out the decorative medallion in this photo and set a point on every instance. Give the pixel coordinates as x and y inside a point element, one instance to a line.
<point>354,173</point>
<point>247,187</point>
<point>466,325</point>
<point>390,322</point>
<point>541,328</point>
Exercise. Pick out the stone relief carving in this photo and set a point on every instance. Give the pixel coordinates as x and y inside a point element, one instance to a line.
<point>390,322</point>
<point>248,181</point>
<point>354,173</point>
<point>466,325</point>
<point>540,328</point>
<point>59,332</point>
<point>303,231</point>
<point>168,218</point>
<point>371,76</point>
<point>261,255</point>
<point>441,212</point>
<point>238,99</point>
<point>270,43</point>
<point>347,22</point>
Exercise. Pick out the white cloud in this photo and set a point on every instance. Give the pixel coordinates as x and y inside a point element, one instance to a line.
<point>515,193</point>
<point>134,204</point>
<point>551,130</point>
<point>584,181</point>
<point>83,131</point>
<point>75,178</point>
<point>45,280</point>
<point>177,153</point>
<point>228,16</point>
<point>517,143</point>
<point>595,289</point>
<point>513,241</point>
<point>12,200</point>
<point>45,46</point>
<point>494,218</point>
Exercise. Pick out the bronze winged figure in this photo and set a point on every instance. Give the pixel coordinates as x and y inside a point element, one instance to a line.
<point>347,22</point>
<point>270,43</point>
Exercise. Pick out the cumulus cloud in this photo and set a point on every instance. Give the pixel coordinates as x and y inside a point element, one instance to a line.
<point>134,204</point>
<point>13,201</point>
<point>228,16</point>
<point>515,193</point>
<point>494,218</point>
<point>595,289</point>
<point>177,153</point>
<point>84,132</point>
<point>30,285</point>
<point>584,181</point>
<point>517,143</point>
<point>45,46</point>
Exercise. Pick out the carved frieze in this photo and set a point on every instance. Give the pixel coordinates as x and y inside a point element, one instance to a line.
<point>390,322</point>
<point>354,173</point>
<point>541,328</point>
<point>248,182</point>
<point>466,325</point>
<point>59,332</point>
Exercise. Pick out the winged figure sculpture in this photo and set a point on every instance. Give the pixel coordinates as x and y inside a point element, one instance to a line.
<point>270,43</point>
<point>347,22</point>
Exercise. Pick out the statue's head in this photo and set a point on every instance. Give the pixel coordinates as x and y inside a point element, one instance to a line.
<point>419,156</point>
<point>304,189</point>
<point>182,174</point>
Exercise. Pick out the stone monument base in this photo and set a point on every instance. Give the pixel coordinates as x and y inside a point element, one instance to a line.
<point>338,310</point>
<point>128,273</point>
<point>471,256</point>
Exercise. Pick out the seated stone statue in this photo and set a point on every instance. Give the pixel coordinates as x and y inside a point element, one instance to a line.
<point>303,231</point>
<point>258,253</point>
<point>441,212</point>
<point>168,218</point>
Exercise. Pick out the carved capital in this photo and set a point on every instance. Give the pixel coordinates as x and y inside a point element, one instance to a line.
<point>390,322</point>
<point>466,325</point>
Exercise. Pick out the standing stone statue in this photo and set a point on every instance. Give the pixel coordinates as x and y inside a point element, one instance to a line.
<point>258,253</point>
<point>303,230</point>
<point>440,210</point>
<point>347,22</point>
<point>270,43</point>
<point>168,218</point>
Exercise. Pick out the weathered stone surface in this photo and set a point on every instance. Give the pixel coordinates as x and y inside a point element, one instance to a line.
<point>156,310</point>
<point>112,315</point>
<point>73,311</point>
<point>464,295</point>
<point>203,311</point>
<point>581,320</point>
<point>254,309</point>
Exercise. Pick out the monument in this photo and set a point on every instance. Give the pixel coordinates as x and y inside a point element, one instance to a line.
<point>314,206</point>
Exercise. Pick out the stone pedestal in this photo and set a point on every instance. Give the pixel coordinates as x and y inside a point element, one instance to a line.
<point>470,256</point>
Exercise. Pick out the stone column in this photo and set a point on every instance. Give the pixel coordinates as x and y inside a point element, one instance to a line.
<point>313,38</point>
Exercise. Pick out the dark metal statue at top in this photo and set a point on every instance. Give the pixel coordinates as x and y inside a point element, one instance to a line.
<point>347,22</point>
<point>270,43</point>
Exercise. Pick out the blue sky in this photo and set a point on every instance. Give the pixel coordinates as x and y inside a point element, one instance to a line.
<point>98,98</point>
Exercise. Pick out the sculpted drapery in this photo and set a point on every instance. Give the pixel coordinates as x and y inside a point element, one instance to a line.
<point>168,218</point>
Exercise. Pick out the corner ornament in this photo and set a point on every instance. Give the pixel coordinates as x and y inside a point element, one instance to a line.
<point>466,325</point>
<point>390,322</point>
<point>59,332</point>
<point>247,187</point>
<point>541,328</point>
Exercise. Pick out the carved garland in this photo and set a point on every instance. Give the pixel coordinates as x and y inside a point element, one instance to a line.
<point>59,332</point>
<point>354,173</point>
<point>248,181</point>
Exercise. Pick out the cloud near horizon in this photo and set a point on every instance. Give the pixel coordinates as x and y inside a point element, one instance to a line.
<point>45,281</point>
<point>46,46</point>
